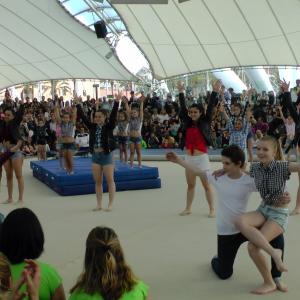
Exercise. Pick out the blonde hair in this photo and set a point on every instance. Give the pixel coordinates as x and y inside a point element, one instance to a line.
<point>276,146</point>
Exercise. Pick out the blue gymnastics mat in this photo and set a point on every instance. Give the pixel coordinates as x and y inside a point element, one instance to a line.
<point>81,182</point>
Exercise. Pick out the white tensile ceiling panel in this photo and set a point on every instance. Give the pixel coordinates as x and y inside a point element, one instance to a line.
<point>41,41</point>
<point>225,33</point>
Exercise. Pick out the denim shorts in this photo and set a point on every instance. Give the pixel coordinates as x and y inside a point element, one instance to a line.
<point>135,140</point>
<point>17,154</point>
<point>123,140</point>
<point>278,215</point>
<point>102,159</point>
<point>41,142</point>
<point>68,146</point>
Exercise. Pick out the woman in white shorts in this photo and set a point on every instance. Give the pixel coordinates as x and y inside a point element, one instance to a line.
<point>196,138</point>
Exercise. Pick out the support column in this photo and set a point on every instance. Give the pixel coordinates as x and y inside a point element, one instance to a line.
<point>52,88</point>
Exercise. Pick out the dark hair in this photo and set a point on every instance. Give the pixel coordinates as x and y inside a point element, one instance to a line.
<point>10,109</point>
<point>199,107</point>
<point>124,113</point>
<point>105,270</point>
<point>235,154</point>
<point>101,110</point>
<point>21,236</point>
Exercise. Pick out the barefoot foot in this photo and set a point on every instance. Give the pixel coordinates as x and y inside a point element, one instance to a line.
<point>265,289</point>
<point>8,201</point>
<point>281,286</point>
<point>98,208</point>
<point>278,260</point>
<point>185,213</point>
<point>212,214</point>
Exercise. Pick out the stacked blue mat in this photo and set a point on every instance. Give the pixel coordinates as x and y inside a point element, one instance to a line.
<point>81,182</point>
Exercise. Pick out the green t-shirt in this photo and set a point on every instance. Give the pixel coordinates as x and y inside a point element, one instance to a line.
<point>50,280</point>
<point>139,292</point>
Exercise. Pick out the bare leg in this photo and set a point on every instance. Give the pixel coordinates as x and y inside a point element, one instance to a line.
<point>248,224</point>
<point>109,176</point>
<point>259,259</point>
<point>70,160</point>
<point>65,160</point>
<point>261,263</point>
<point>121,152</point>
<point>138,149</point>
<point>38,152</point>
<point>44,152</point>
<point>61,158</point>
<point>97,175</point>
<point>209,198</point>
<point>17,165</point>
<point>190,194</point>
<point>125,153</point>
<point>296,210</point>
<point>9,177</point>
<point>250,149</point>
<point>131,154</point>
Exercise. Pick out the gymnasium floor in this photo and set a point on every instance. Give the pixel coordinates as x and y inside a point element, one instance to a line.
<point>169,252</point>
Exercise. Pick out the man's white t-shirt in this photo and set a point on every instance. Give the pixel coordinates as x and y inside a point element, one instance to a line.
<point>233,196</point>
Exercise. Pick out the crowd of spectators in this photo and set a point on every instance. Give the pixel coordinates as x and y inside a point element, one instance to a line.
<point>161,124</point>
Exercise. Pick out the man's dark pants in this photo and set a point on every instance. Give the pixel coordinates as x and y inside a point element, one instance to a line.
<point>228,246</point>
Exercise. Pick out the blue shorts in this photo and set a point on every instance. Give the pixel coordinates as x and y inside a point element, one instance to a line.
<point>135,140</point>
<point>102,159</point>
<point>68,146</point>
<point>16,154</point>
<point>123,140</point>
<point>278,215</point>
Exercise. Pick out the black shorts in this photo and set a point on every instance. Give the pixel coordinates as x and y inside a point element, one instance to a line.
<point>41,142</point>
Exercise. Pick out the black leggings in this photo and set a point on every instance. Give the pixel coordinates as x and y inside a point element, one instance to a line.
<point>228,246</point>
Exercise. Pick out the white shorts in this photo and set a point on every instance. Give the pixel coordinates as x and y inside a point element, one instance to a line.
<point>201,161</point>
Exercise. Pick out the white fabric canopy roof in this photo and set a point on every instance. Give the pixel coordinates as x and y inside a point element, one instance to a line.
<point>211,34</point>
<point>39,40</point>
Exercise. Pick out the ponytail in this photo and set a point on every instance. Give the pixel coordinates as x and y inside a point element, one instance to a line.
<point>277,146</point>
<point>279,153</point>
<point>109,278</point>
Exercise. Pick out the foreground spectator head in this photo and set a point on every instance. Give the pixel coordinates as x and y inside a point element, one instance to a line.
<point>5,274</point>
<point>21,236</point>
<point>105,270</point>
